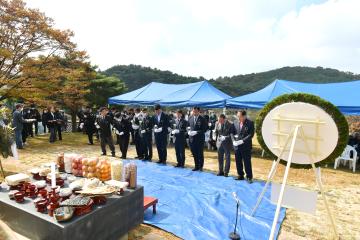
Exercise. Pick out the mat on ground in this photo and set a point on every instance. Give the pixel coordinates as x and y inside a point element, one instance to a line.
<point>200,205</point>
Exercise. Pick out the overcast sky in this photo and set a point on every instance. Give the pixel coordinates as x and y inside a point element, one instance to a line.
<point>213,38</point>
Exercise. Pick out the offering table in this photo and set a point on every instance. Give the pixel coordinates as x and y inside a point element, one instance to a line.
<point>118,216</point>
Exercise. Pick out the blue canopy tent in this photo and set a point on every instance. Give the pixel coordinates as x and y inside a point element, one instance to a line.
<point>344,95</point>
<point>201,94</point>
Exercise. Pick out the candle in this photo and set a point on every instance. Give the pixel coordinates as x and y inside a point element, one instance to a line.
<point>53,178</point>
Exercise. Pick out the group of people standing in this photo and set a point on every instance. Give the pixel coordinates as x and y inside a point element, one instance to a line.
<point>141,127</point>
<point>26,119</point>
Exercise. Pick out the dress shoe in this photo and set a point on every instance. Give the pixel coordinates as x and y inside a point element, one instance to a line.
<point>240,178</point>
<point>249,180</point>
<point>220,174</point>
<point>195,169</point>
<point>200,169</point>
<point>159,162</point>
<point>177,165</point>
<point>226,175</point>
<point>103,154</point>
<point>113,154</point>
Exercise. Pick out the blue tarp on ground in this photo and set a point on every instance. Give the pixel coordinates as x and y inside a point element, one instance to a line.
<point>201,94</point>
<point>344,95</point>
<point>200,205</point>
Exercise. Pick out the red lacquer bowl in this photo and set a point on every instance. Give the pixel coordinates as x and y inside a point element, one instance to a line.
<point>19,197</point>
<point>84,209</point>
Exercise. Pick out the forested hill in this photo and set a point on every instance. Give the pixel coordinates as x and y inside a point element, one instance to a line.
<point>136,76</point>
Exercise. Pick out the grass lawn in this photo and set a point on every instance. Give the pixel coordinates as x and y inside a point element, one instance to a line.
<point>342,187</point>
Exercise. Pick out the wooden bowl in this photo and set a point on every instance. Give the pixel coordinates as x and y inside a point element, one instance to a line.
<point>43,193</point>
<point>84,209</point>
<point>41,205</point>
<point>19,197</point>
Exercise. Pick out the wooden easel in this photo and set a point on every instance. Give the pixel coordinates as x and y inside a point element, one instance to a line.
<point>296,133</point>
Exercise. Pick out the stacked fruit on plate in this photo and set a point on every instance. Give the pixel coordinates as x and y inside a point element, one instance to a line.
<point>103,170</point>
<point>89,167</point>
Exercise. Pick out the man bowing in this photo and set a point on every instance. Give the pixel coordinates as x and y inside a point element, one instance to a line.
<point>242,140</point>
<point>161,122</point>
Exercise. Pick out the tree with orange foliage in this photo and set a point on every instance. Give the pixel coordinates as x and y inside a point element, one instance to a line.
<point>64,81</point>
<point>26,32</point>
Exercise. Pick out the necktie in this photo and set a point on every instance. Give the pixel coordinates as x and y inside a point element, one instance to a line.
<point>195,119</point>
<point>241,125</point>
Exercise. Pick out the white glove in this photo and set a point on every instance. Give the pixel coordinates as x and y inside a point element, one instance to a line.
<point>209,124</point>
<point>81,125</point>
<point>222,138</point>
<point>117,132</point>
<point>214,136</point>
<point>237,143</point>
<point>176,131</point>
<point>143,131</point>
<point>121,133</point>
<point>97,126</point>
<point>157,130</point>
<point>192,133</point>
<point>135,127</point>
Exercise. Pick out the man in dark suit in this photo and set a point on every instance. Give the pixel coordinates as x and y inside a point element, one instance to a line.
<point>89,124</point>
<point>161,124</point>
<point>27,130</point>
<point>59,122</point>
<point>242,135</point>
<point>18,123</point>
<point>34,114</point>
<point>43,118</point>
<point>103,123</point>
<point>122,130</point>
<point>179,131</point>
<point>212,139</point>
<point>196,131</point>
<point>135,125</point>
<point>51,123</point>
<point>146,126</point>
<point>223,130</point>
<point>130,115</point>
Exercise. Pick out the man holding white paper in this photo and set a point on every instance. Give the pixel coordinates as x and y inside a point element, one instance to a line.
<point>223,129</point>
<point>161,121</point>
<point>242,135</point>
<point>196,131</point>
<point>179,133</point>
<point>146,127</point>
